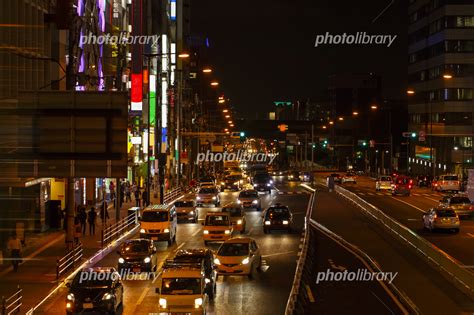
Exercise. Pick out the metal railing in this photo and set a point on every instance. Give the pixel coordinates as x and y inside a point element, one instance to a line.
<point>451,268</point>
<point>113,232</point>
<point>298,296</point>
<point>11,305</point>
<point>69,260</point>
<point>174,193</point>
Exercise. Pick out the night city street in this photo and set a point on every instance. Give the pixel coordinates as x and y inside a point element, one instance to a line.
<point>235,158</point>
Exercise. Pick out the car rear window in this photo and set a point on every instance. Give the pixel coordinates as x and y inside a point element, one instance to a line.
<point>445,213</point>
<point>458,200</point>
<point>450,177</point>
<point>386,178</point>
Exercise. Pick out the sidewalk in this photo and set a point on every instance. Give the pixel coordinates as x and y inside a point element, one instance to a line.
<point>37,274</point>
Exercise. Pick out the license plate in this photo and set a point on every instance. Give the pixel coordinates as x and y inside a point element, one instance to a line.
<point>87,305</point>
<point>154,238</point>
<point>136,269</point>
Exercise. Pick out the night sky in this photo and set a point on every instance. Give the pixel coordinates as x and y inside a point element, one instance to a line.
<point>263,50</point>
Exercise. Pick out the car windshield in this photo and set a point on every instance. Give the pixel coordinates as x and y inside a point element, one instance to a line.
<point>233,178</point>
<point>234,249</point>
<point>445,213</point>
<point>93,279</point>
<point>184,204</point>
<point>278,213</point>
<point>135,247</point>
<point>181,286</point>
<point>261,177</point>
<point>460,200</point>
<point>208,191</point>
<point>385,179</point>
<point>249,194</point>
<point>220,220</point>
<point>450,177</point>
<point>233,211</point>
<point>155,216</point>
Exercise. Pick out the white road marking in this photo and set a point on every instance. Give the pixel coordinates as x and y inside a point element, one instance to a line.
<point>409,204</point>
<point>276,254</point>
<point>413,219</point>
<point>470,234</point>
<point>432,199</point>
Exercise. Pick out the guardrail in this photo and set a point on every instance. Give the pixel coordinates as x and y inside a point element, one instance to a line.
<point>111,233</point>
<point>450,268</point>
<point>69,260</point>
<point>11,305</point>
<point>298,296</point>
<point>174,193</point>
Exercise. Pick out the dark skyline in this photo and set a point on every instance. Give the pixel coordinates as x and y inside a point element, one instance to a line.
<point>264,51</point>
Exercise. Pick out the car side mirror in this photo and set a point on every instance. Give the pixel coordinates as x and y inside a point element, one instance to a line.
<point>158,290</point>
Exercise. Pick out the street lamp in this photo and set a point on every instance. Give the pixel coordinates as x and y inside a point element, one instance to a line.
<point>221,101</point>
<point>183,55</point>
<point>447,76</point>
<point>373,107</point>
<point>355,113</point>
<point>214,83</point>
<point>410,91</point>
<point>341,118</point>
<point>207,70</point>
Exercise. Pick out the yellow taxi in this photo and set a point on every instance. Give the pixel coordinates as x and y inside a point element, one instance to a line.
<point>217,227</point>
<point>237,216</point>
<point>238,256</point>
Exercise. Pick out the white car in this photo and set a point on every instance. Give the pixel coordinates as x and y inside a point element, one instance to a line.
<point>448,183</point>
<point>348,178</point>
<point>383,183</point>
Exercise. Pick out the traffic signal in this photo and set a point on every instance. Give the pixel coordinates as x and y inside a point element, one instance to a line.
<point>283,127</point>
<point>413,134</point>
<point>242,134</point>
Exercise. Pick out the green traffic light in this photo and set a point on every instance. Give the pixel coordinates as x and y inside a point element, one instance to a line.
<point>242,134</point>
<point>325,142</point>
<point>413,134</point>
<point>364,144</point>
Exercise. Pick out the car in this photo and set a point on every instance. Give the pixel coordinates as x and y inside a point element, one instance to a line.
<point>441,218</point>
<point>206,257</point>
<point>262,182</point>
<point>434,183</point>
<point>307,177</point>
<point>293,176</point>
<point>423,181</point>
<point>402,186</point>
<point>232,182</point>
<point>461,204</point>
<point>208,196</point>
<point>137,255</point>
<point>349,178</point>
<point>217,227</point>
<point>238,257</point>
<point>186,210</point>
<point>249,199</point>
<point>97,289</point>
<point>237,216</point>
<point>448,183</point>
<point>277,217</point>
<point>337,178</point>
<point>182,288</point>
<point>159,223</point>
<point>383,183</point>
<point>207,181</point>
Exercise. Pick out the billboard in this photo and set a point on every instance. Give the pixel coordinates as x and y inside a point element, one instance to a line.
<point>424,153</point>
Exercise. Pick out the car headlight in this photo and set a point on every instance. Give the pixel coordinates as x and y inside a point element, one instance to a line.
<point>239,221</point>
<point>241,181</point>
<point>147,260</point>
<point>267,222</point>
<point>236,183</point>
<point>166,230</point>
<point>197,302</point>
<point>162,302</point>
<point>70,297</point>
<point>191,212</point>
<point>238,201</point>
<point>121,260</point>
<point>271,182</point>
<point>245,261</point>
<point>207,280</point>
<point>206,232</point>
<point>222,183</point>
<point>217,261</point>
<point>227,231</point>
<point>268,185</point>
<point>255,202</point>
<point>198,198</point>
<point>291,176</point>
<point>107,296</point>
<point>254,185</point>
<point>142,231</point>
<point>214,198</point>
<point>285,221</point>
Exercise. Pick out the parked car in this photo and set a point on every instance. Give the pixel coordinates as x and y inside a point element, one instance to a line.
<point>441,218</point>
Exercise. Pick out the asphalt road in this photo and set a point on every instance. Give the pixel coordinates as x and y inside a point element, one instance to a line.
<point>267,293</point>
<point>408,210</point>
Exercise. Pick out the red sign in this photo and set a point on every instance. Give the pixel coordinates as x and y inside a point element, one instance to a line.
<point>137,91</point>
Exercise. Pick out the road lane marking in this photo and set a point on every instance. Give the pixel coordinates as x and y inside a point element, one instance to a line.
<point>276,254</point>
<point>382,302</point>
<point>310,294</point>
<point>470,234</point>
<point>413,219</point>
<point>432,199</point>
<point>409,204</point>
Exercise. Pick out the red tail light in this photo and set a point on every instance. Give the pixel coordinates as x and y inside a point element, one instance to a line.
<point>409,186</point>
<point>411,181</point>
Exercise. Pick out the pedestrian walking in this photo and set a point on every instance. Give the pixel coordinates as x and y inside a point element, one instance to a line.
<point>82,215</point>
<point>112,190</point>
<point>128,194</point>
<point>145,197</point>
<point>14,246</point>
<point>91,219</point>
<point>104,213</point>
<point>137,194</point>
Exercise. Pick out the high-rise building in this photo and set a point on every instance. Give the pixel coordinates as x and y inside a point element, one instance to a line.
<point>441,76</point>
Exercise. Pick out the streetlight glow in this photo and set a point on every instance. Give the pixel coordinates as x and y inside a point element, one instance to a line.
<point>331,122</point>
<point>214,83</point>
<point>341,118</point>
<point>447,76</point>
<point>207,70</point>
<point>183,55</point>
<point>355,113</point>
<point>410,91</point>
<point>225,110</point>
<point>221,101</point>
<point>374,107</point>
<point>227,116</point>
